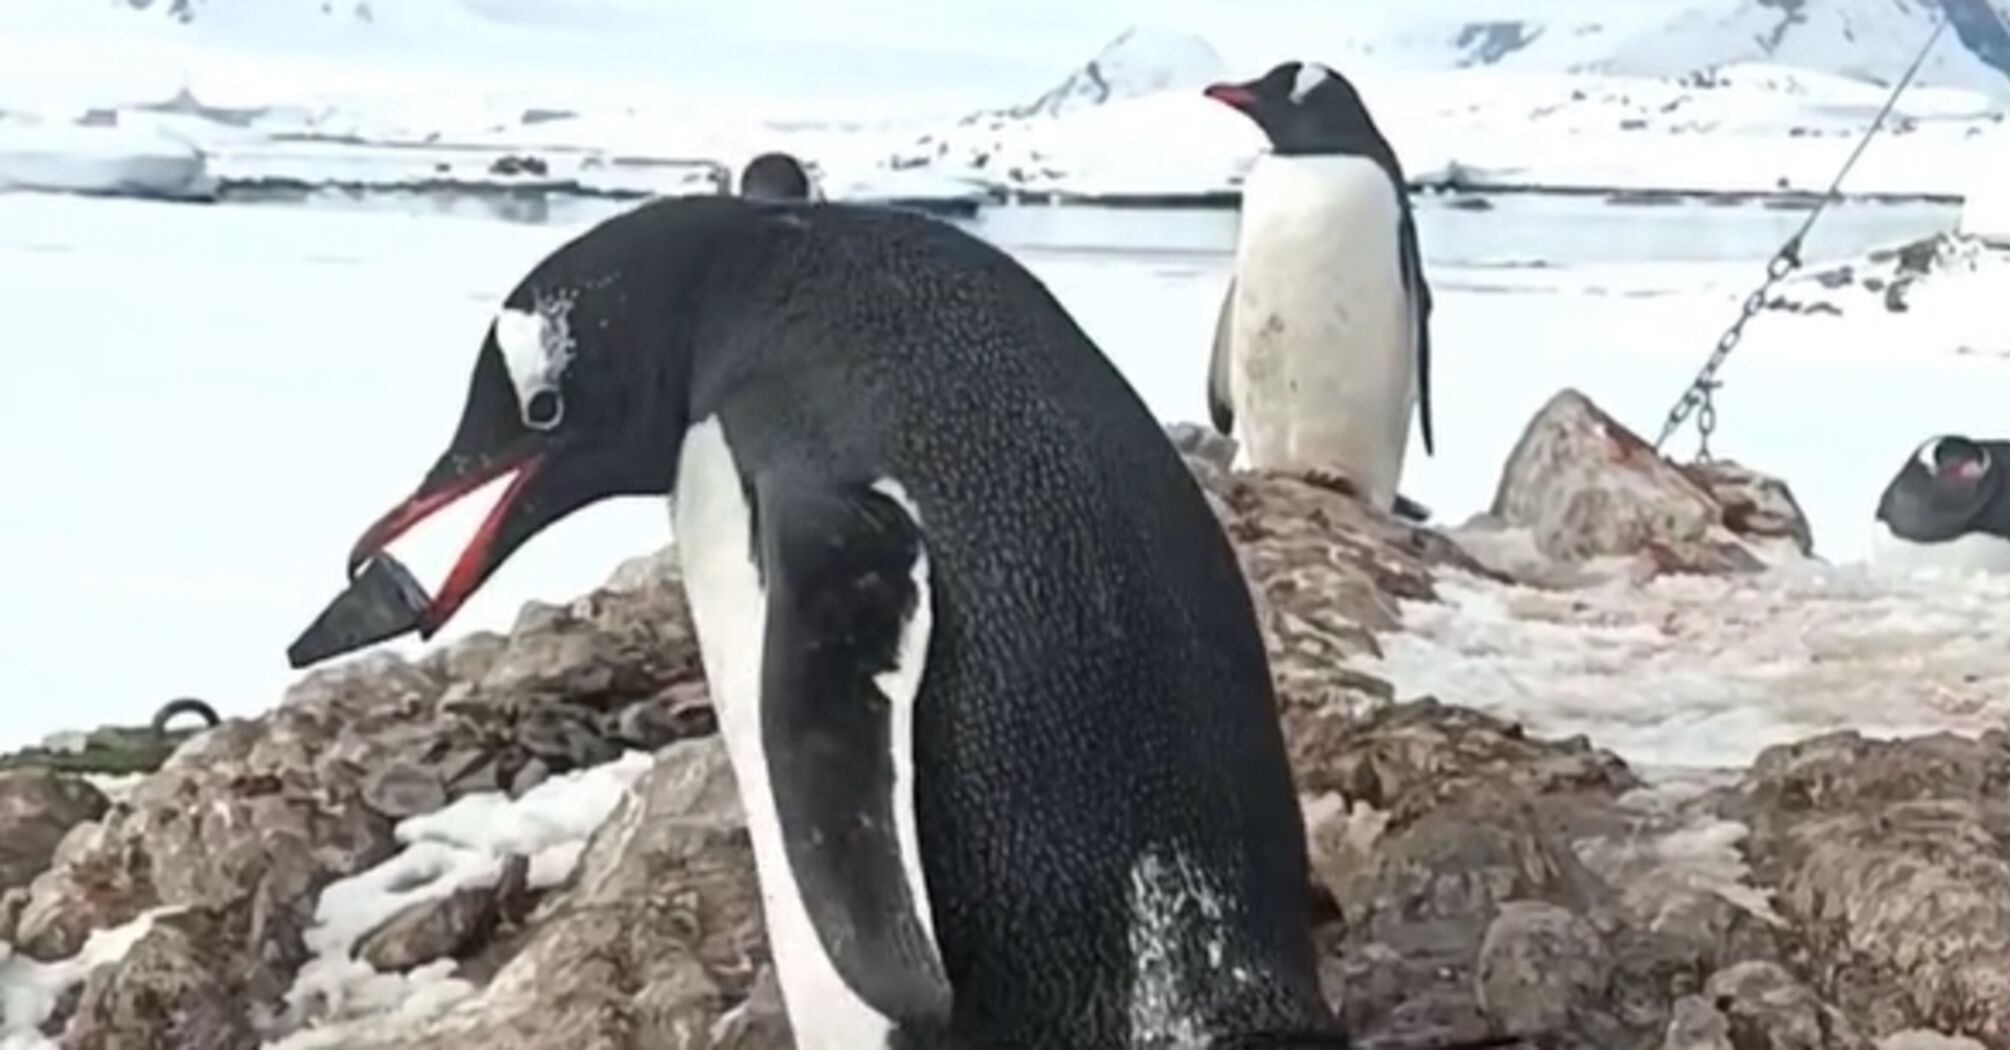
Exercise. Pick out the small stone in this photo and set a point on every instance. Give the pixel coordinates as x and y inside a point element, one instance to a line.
<point>1539,967</point>
<point>432,929</point>
<point>528,777</point>
<point>12,903</point>
<point>647,725</point>
<point>403,789</point>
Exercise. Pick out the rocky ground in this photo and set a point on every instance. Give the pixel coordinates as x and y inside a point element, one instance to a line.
<point>533,840</point>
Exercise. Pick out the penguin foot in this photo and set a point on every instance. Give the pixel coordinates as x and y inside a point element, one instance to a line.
<point>1410,510</point>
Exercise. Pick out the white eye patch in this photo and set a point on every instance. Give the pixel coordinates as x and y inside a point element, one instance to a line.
<point>536,348</point>
<point>1929,455</point>
<point>1310,76</point>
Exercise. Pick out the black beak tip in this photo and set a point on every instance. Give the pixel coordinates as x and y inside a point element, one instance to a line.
<point>385,601</point>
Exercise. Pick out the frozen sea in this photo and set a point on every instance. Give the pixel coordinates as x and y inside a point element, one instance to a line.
<point>208,403</point>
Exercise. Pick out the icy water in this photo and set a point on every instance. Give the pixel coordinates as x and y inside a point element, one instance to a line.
<point>208,403</point>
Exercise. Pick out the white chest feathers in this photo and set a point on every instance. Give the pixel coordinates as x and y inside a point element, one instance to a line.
<point>1322,336</point>
<point>805,803</point>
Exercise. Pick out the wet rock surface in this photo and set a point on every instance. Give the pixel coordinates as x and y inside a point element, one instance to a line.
<point>1471,880</point>
<point>1586,488</point>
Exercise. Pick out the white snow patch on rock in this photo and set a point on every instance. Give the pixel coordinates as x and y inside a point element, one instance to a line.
<point>463,846</point>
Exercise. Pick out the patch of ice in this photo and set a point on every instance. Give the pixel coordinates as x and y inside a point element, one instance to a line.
<point>115,787</point>
<point>463,846</point>
<point>1923,1039</point>
<point>72,158</point>
<point>1708,671</point>
<point>29,990</point>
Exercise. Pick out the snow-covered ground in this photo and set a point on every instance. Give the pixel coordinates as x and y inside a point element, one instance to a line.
<point>1707,672</point>
<point>214,401</point>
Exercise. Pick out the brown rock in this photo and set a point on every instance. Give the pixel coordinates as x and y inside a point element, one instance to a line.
<point>1409,758</point>
<point>1588,487</point>
<point>1892,858</point>
<point>179,988</point>
<point>455,926</point>
<point>403,789</point>
<point>1326,572</point>
<point>1541,969</point>
<point>656,943</point>
<point>37,808</point>
<point>1759,1006</point>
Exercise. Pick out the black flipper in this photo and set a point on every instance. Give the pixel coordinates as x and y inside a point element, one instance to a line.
<point>840,565</point>
<point>1219,407</point>
<point>1419,291</point>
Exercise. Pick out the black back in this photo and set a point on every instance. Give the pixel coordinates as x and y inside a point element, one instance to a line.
<point>1950,487</point>
<point>1096,689</point>
<point>1102,788</point>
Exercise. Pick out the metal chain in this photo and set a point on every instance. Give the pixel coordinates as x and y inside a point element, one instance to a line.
<point>1700,398</point>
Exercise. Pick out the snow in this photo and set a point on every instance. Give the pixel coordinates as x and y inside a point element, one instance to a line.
<point>1697,672</point>
<point>43,155</point>
<point>1748,129</point>
<point>1985,214</point>
<point>1876,298</point>
<point>206,458</point>
<point>1977,552</point>
<point>463,846</point>
<point>30,990</point>
<point>627,98</point>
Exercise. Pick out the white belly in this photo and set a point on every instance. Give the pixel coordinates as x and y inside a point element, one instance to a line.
<point>729,615</point>
<point>1323,337</point>
<point>1966,555</point>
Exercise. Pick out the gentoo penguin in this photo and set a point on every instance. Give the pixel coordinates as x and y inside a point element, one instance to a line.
<point>1323,342</point>
<point>1948,508</point>
<point>986,668</point>
<point>776,177</point>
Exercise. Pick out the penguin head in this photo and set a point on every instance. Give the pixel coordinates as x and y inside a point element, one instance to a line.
<point>579,391</point>
<point>1304,107</point>
<point>775,177</point>
<point>1948,481</point>
<point>1954,462</point>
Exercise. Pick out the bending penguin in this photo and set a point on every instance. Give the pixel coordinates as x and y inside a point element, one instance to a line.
<point>984,662</point>
<point>1948,508</point>
<point>1323,344</point>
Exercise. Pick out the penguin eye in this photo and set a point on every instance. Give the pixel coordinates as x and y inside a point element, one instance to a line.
<point>544,409</point>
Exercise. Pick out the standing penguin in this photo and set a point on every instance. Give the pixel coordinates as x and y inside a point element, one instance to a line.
<point>1323,343</point>
<point>985,665</point>
<point>1947,507</point>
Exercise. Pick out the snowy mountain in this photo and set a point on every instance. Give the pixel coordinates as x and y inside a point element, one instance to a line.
<point>1866,39</point>
<point>1141,61</point>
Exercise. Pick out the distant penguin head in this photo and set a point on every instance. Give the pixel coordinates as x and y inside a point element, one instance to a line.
<point>1955,462</point>
<point>775,177</point>
<point>579,391</point>
<point>1936,496</point>
<point>1304,108</point>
